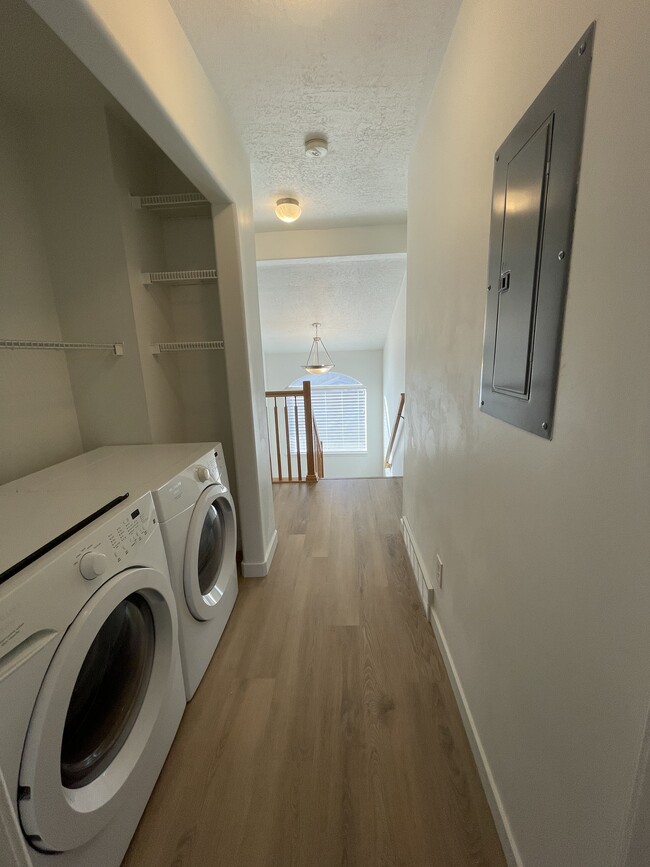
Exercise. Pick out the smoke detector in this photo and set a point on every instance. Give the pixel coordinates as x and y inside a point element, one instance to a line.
<point>315,148</point>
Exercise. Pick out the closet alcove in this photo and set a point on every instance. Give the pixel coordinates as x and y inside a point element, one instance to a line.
<point>107,254</point>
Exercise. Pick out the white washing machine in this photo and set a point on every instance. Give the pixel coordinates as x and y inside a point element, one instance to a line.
<point>189,484</point>
<point>91,687</point>
<point>199,529</point>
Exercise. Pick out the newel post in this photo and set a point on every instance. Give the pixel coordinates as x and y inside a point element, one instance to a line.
<point>309,433</point>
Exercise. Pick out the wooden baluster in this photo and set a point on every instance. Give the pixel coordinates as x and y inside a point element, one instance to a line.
<point>319,453</point>
<point>295,415</point>
<point>315,430</point>
<point>288,443</point>
<point>277,438</point>
<point>309,433</point>
<point>268,437</point>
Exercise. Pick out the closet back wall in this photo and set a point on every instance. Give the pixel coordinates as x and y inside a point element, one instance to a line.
<point>186,392</point>
<point>134,172</point>
<point>89,271</point>
<point>33,385</point>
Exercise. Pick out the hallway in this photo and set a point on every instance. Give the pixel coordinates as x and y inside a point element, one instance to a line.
<point>325,731</point>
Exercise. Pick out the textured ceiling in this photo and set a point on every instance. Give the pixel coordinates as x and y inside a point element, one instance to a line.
<point>357,72</point>
<point>352,297</point>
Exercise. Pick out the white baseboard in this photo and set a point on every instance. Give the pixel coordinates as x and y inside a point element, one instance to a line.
<point>422,577</point>
<point>423,580</point>
<point>261,570</point>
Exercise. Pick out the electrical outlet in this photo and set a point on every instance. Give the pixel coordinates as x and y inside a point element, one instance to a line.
<point>439,571</point>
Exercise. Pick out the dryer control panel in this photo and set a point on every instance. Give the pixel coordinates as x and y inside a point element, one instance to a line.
<point>221,465</point>
<point>207,470</point>
<point>116,547</point>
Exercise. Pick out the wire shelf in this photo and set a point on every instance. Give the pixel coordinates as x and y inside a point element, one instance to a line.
<point>170,202</point>
<point>200,275</point>
<point>117,348</point>
<point>186,346</point>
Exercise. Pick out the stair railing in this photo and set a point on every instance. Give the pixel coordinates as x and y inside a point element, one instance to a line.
<point>388,460</point>
<point>285,411</point>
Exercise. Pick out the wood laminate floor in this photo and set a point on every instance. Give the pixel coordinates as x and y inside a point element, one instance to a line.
<point>325,731</point>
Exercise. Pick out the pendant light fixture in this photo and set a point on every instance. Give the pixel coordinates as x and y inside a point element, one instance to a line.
<point>319,360</point>
<point>287,210</point>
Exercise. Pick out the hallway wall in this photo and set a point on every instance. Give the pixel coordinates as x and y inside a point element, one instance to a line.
<point>544,607</point>
<point>395,380</point>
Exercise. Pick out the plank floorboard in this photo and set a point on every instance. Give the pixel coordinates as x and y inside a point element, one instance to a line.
<point>325,731</point>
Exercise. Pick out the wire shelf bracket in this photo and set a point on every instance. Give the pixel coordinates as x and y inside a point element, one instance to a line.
<point>169,202</point>
<point>186,346</point>
<point>199,275</point>
<point>117,348</point>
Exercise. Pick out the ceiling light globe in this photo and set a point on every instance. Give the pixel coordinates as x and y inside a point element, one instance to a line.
<point>287,210</point>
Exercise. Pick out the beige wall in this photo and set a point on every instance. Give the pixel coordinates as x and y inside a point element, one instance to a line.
<point>314,243</point>
<point>544,605</point>
<point>73,171</point>
<point>395,381</point>
<point>34,386</point>
<point>134,164</point>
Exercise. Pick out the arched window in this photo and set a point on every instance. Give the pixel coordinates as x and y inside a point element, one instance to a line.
<point>339,405</point>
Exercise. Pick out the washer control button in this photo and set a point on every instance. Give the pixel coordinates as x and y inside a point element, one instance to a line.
<point>203,474</point>
<point>92,565</point>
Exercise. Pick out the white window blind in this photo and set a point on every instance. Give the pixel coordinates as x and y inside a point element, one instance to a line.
<point>340,413</point>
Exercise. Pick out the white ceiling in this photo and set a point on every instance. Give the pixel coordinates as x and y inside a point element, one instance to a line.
<point>352,296</point>
<point>357,71</point>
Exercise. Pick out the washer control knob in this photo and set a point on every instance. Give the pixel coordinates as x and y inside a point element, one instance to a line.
<point>92,565</point>
<point>203,474</point>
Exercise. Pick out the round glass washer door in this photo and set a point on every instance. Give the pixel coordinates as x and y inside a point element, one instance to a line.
<point>108,692</point>
<point>210,551</point>
<point>96,710</point>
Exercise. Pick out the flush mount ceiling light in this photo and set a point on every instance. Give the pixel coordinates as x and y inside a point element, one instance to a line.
<point>319,360</point>
<point>315,148</point>
<point>287,210</point>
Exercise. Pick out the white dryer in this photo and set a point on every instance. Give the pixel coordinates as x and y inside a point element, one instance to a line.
<point>91,688</point>
<point>199,528</point>
<point>189,484</point>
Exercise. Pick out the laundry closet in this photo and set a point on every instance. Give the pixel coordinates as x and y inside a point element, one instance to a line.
<point>110,319</point>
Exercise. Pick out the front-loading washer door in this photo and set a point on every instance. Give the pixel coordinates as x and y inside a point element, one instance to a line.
<point>210,551</point>
<point>96,710</point>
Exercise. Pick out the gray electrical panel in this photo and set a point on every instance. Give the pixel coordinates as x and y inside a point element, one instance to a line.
<point>533,204</point>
